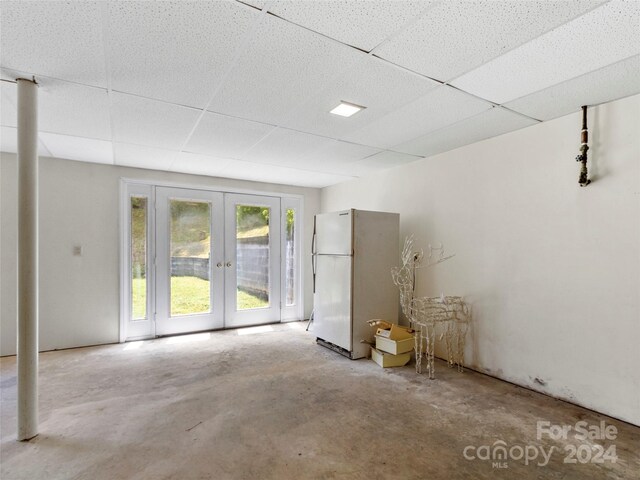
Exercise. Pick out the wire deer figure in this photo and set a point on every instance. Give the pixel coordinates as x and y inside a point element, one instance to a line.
<point>425,313</point>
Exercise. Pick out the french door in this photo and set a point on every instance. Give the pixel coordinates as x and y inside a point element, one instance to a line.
<point>189,246</point>
<point>252,249</point>
<point>201,260</point>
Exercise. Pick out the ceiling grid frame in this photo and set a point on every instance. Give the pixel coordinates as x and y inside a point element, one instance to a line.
<point>239,51</point>
<point>409,24</point>
<point>293,110</point>
<point>342,75</point>
<point>265,12</point>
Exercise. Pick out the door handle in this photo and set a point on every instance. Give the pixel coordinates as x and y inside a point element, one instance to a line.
<point>219,264</point>
<point>228,264</point>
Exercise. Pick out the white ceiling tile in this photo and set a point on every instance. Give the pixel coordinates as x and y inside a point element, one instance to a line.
<point>8,99</point>
<point>458,35</point>
<point>174,51</point>
<point>286,147</point>
<point>143,157</point>
<point>337,152</point>
<point>58,39</point>
<point>361,24</point>
<point>609,83</point>
<point>149,122</point>
<point>333,156</point>
<point>290,148</point>
<point>282,68</point>
<point>76,148</point>
<point>9,142</point>
<point>601,37</point>
<point>196,164</point>
<point>374,84</point>
<point>276,174</point>
<point>224,136</point>
<point>479,127</point>
<point>438,108</point>
<point>381,161</point>
<point>71,109</point>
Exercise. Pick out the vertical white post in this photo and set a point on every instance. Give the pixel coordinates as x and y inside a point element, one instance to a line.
<point>27,259</point>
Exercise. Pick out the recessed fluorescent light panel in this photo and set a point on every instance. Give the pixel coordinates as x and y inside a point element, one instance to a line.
<point>346,109</point>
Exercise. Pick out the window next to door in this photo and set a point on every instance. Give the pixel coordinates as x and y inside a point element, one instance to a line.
<point>291,256</point>
<point>136,268</point>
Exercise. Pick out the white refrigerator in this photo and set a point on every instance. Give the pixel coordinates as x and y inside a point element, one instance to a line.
<point>353,253</point>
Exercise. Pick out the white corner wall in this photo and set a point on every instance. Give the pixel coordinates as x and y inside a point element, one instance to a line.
<point>79,205</point>
<point>552,270</point>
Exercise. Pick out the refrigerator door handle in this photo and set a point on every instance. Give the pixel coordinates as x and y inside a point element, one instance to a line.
<point>313,268</point>
<point>313,254</point>
<point>313,238</point>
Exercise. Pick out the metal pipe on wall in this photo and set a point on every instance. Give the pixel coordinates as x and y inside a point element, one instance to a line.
<point>584,180</point>
<point>27,259</point>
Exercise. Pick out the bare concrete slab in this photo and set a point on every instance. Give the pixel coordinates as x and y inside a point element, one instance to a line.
<point>274,405</point>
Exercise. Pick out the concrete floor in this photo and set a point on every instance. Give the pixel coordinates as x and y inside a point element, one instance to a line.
<point>276,406</point>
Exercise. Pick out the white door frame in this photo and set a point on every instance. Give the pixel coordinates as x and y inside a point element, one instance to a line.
<point>134,186</point>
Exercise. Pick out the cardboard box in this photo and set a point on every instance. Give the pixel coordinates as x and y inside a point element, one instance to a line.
<point>394,347</point>
<point>395,339</point>
<point>396,332</point>
<point>385,359</point>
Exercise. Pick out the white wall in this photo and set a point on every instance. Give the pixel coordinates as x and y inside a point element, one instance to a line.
<point>552,270</point>
<point>79,205</point>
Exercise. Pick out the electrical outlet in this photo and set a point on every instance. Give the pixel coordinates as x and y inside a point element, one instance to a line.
<point>77,250</point>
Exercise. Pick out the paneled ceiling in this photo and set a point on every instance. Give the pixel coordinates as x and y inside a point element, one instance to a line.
<point>243,89</point>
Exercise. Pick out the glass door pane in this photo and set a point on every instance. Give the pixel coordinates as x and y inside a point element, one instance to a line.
<point>290,266</point>
<point>291,278</point>
<point>138,259</point>
<point>190,232</point>
<point>252,256</point>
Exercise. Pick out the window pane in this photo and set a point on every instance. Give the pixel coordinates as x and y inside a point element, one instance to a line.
<point>252,257</point>
<point>190,253</point>
<point>138,258</point>
<point>290,258</point>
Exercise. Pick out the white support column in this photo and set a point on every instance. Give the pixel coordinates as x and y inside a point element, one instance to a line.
<point>27,259</point>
